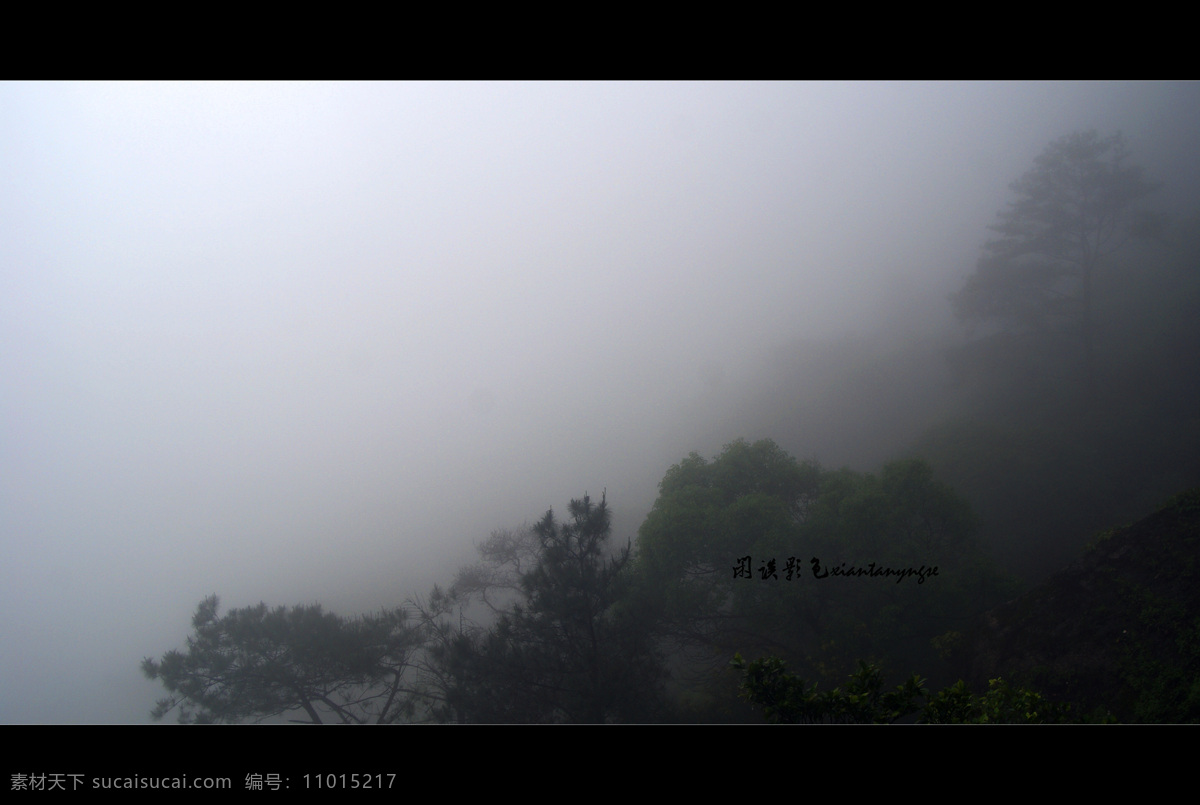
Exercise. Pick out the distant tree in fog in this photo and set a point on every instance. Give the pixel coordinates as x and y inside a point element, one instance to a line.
<point>1076,205</point>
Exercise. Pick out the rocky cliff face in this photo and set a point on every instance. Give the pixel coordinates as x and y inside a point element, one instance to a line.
<point>1117,631</point>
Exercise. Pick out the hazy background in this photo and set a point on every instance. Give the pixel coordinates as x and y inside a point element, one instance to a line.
<point>311,342</point>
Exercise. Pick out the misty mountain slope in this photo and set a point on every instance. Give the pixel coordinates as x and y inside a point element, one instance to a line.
<point>1045,464</point>
<point>1002,416</point>
<point>854,401</point>
<point>1119,629</point>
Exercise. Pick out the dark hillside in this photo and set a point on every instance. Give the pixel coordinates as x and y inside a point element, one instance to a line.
<point>1043,461</point>
<point>1118,630</point>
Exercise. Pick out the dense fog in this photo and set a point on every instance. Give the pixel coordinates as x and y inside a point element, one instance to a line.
<point>302,343</point>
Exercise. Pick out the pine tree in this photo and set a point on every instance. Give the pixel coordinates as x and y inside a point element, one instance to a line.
<point>1075,206</point>
<point>258,663</point>
<point>565,651</point>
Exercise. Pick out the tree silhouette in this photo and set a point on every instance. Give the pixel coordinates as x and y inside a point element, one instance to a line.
<point>1076,205</point>
<point>257,663</point>
<point>563,649</point>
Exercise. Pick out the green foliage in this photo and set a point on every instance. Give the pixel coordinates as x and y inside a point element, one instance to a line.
<point>1158,654</point>
<point>1002,704</point>
<point>258,663</point>
<point>788,699</point>
<point>755,500</point>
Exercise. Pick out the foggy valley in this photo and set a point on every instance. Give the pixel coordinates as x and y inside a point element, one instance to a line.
<point>310,344</point>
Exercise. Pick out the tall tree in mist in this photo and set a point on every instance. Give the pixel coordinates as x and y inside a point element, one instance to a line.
<point>1075,206</point>
<point>564,650</point>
